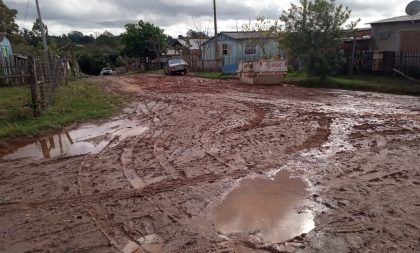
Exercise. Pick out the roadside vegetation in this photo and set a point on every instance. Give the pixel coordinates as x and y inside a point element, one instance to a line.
<point>374,83</point>
<point>385,84</point>
<point>79,101</point>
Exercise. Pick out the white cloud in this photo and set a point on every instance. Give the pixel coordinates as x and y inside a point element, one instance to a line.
<point>175,16</point>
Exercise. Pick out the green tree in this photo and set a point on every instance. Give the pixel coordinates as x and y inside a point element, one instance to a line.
<point>144,40</point>
<point>312,32</point>
<point>107,39</point>
<point>7,20</point>
<point>265,32</point>
<point>36,28</point>
<point>79,38</point>
<point>34,37</point>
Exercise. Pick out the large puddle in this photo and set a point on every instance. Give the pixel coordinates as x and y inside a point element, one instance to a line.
<point>273,210</point>
<point>88,139</point>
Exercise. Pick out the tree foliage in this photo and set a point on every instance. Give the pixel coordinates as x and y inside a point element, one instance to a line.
<point>7,20</point>
<point>143,40</point>
<point>265,32</point>
<point>90,53</point>
<point>197,34</point>
<point>312,32</point>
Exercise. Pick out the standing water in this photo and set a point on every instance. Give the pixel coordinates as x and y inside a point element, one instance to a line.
<point>87,139</point>
<point>273,210</point>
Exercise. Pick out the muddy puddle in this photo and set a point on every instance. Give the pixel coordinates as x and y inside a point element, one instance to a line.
<point>87,139</point>
<point>274,210</point>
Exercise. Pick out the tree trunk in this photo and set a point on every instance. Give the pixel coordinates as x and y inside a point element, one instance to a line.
<point>353,52</point>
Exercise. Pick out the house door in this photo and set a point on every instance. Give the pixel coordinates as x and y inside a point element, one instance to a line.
<point>229,64</point>
<point>227,54</point>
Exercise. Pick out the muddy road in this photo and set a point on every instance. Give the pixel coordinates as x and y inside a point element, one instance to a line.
<point>197,165</point>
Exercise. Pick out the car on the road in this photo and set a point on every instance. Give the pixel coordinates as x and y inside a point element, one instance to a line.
<point>176,66</point>
<point>106,71</point>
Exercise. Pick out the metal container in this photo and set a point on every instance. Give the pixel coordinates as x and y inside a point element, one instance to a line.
<point>262,71</point>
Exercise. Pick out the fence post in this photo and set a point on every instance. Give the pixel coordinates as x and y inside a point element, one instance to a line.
<point>66,72</point>
<point>34,93</point>
<point>41,84</point>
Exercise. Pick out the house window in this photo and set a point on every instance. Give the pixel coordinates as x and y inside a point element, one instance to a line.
<point>225,49</point>
<point>250,49</point>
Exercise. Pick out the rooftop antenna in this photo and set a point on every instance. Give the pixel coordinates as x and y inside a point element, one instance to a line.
<point>412,9</point>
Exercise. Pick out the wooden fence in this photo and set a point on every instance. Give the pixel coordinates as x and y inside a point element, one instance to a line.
<point>204,65</point>
<point>16,74</point>
<point>43,78</point>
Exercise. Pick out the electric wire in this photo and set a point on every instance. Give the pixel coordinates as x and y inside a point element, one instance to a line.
<point>26,14</point>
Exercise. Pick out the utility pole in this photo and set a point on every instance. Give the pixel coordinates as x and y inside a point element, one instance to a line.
<point>216,52</point>
<point>44,39</point>
<point>44,42</point>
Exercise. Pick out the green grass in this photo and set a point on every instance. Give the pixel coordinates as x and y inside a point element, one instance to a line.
<point>385,84</point>
<point>79,101</point>
<point>213,75</point>
<point>296,74</point>
<point>14,103</point>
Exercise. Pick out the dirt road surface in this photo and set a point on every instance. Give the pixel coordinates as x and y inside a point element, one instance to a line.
<point>159,184</point>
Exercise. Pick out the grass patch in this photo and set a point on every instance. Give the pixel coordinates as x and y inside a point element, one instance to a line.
<point>213,75</point>
<point>81,100</point>
<point>14,103</point>
<point>296,74</point>
<point>384,84</point>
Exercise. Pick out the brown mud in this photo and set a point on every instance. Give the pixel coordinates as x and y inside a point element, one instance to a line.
<point>167,182</point>
<point>273,210</point>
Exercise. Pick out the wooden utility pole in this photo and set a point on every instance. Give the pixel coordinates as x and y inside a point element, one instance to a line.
<point>44,39</point>
<point>44,42</point>
<point>216,52</point>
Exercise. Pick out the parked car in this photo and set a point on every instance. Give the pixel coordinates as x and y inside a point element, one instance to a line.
<point>106,71</point>
<point>176,66</point>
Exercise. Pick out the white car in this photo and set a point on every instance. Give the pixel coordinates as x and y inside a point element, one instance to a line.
<point>106,71</point>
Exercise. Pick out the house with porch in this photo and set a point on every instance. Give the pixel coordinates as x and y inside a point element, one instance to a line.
<point>234,47</point>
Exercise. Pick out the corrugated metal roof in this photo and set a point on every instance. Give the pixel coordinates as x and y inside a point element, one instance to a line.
<point>243,35</point>
<point>194,43</point>
<point>405,18</point>
<point>239,36</point>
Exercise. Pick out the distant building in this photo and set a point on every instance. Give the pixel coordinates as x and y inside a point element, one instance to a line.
<point>363,40</point>
<point>396,34</point>
<point>6,54</point>
<point>192,45</point>
<point>234,47</point>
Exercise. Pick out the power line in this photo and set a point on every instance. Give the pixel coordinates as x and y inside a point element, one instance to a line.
<point>26,14</point>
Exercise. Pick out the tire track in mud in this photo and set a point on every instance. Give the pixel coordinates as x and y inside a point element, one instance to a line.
<point>127,162</point>
<point>360,201</point>
<point>150,190</point>
<point>224,128</point>
<point>351,181</point>
<point>116,235</point>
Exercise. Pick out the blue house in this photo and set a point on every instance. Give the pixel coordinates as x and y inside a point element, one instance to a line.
<point>234,47</point>
<point>6,55</point>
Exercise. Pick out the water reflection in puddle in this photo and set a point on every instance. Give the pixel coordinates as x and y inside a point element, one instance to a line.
<point>87,139</point>
<point>273,210</point>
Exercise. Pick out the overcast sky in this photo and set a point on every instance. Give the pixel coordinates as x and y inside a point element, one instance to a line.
<point>175,16</point>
